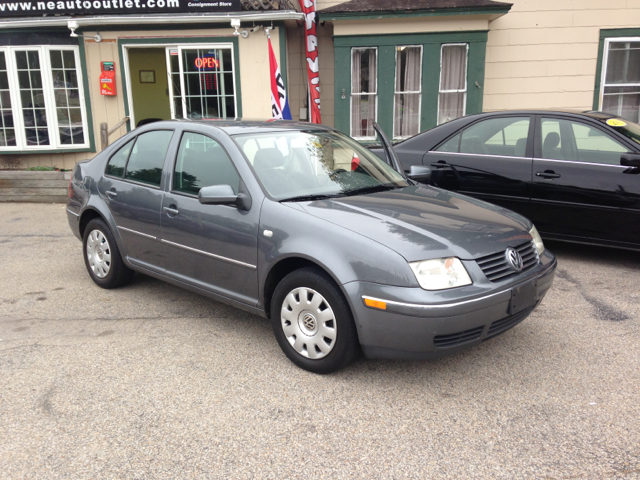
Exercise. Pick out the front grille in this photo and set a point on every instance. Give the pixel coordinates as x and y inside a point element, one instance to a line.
<point>454,339</point>
<point>495,266</point>
<point>501,326</point>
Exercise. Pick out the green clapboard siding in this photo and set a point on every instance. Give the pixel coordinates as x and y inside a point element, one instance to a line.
<point>386,44</point>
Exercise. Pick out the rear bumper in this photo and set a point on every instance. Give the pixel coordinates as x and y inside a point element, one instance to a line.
<point>412,329</point>
<point>74,221</point>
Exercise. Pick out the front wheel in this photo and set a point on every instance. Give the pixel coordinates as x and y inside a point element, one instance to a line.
<point>313,323</point>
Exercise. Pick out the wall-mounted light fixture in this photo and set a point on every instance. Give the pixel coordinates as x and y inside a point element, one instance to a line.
<point>73,25</point>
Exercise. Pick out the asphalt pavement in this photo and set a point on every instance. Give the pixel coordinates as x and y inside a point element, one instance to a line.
<point>151,381</point>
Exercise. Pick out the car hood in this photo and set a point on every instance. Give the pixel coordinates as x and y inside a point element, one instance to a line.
<point>421,222</point>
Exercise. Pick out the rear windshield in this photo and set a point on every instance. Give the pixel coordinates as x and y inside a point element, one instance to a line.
<point>630,129</point>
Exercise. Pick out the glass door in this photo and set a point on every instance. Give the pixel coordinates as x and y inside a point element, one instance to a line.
<point>202,82</point>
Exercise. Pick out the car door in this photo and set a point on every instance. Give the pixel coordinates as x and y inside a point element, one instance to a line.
<point>131,188</point>
<point>211,246</point>
<point>580,190</point>
<point>490,159</point>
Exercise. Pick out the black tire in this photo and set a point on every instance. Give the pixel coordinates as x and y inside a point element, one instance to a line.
<point>114,274</point>
<point>344,347</point>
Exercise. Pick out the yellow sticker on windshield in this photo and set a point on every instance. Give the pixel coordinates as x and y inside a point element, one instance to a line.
<point>614,122</point>
<point>317,144</point>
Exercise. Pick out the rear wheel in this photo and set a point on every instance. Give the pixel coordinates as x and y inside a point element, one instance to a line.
<point>313,322</point>
<point>102,257</point>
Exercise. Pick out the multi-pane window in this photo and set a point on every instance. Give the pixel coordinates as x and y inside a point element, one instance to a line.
<point>364,92</point>
<point>621,74</point>
<point>7,130</point>
<point>41,99</point>
<point>202,82</point>
<point>453,82</point>
<point>408,91</point>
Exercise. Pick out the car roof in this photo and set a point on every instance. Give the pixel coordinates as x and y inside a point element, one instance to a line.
<point>242,126</point>
<point>577,112</point>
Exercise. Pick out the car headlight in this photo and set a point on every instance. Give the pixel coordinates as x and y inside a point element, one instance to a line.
<point>440,273</point>
<point>537,240</point>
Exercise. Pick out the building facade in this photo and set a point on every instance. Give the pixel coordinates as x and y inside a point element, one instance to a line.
<point>407,64</point>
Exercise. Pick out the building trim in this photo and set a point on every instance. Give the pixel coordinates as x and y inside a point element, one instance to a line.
<point>495,12</point>
<point>604,34</point>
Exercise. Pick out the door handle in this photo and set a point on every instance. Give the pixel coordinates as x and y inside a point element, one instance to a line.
<point>111,194</point>
<point>440,165</point>
<point>171,211</point>
<point>548,174</point>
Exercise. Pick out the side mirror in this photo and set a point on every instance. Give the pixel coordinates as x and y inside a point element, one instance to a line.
<point>420,174</point>
<point>223,195</point>
<point>630,160</point>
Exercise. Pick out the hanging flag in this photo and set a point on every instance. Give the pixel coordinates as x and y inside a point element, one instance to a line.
<point>313,67</point>
<point>279,102</point>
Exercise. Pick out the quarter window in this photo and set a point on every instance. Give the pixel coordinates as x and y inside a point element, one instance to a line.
<point>364,92</point>
<point>452,99</point>
<point>408,91</point>
<point>118,161</point>
<point>202,162</point>
<point>41,99</point>
<point>147,157</point>
<point>621,74</point>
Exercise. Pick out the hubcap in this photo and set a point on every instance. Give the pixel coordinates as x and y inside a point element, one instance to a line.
<point>308,323</point>
<point>98,254</point>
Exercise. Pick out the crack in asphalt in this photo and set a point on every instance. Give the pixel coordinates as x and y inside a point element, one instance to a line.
<point>603,310</point>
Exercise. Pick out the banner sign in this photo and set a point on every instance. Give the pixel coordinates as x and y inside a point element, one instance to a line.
<point>35,8</point>
<point>313,67</point>
<point>279,103</point>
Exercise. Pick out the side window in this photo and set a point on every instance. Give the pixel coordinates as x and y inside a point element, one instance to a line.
<point>202,162</point>
<point>118,161</point>
<point>451,145</point>
<point>575,141</point>
<point>147,157</point>
<point>496,136</point>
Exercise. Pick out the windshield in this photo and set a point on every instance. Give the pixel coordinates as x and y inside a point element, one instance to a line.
<point>630,129</point>
<point>302,165</point>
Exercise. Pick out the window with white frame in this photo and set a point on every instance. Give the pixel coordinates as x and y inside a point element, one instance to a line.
<point>452,98</point>
<point>408,91</point>
<point>41,99</point>
<point>620,91</point>
<point>364,92</point>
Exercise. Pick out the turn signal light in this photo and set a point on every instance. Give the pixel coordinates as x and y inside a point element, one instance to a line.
<point>369,302</point>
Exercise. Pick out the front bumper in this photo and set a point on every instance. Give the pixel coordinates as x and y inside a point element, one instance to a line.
<point>412,328</point>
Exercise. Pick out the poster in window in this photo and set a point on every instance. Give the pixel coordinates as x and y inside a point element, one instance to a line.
<point>147,76</point>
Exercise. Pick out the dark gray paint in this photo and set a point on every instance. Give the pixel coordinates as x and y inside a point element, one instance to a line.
<point>363,242</point>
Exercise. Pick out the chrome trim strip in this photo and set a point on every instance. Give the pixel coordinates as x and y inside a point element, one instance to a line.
<point>527,158</point>
<point>137,233</point>
<point>73,213</point>
<point>429,307</point>
<point>224,259</point>
<point>478,155</point>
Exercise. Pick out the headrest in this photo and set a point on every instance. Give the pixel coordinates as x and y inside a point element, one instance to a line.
<point>552,140</point>
<point>267,158</point>
<point>521,147</point>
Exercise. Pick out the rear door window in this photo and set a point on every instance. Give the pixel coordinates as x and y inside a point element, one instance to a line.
<point>496,136</point>
<point>147,157</point>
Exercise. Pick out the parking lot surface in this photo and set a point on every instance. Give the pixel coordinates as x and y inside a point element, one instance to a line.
<point>151,381</point>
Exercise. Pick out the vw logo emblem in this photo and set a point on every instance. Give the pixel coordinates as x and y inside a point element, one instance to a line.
<point>514,259</point>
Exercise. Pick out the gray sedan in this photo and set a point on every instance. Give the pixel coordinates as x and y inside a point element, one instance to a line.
<point>301,224</point>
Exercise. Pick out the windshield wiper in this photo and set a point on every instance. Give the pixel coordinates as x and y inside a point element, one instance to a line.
<point>308,198</point>
<point>373,189</point>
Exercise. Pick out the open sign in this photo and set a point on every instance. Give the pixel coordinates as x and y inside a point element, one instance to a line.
<point>206,63</point>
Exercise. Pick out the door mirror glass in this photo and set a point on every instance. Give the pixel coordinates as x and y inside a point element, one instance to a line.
<point>420,174</point>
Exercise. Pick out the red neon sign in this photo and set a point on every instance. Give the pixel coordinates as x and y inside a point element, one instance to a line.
<point>206,63</point>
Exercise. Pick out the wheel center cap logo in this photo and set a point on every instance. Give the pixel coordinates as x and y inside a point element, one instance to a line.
<point>514,259</point>
<point>309,322</point>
